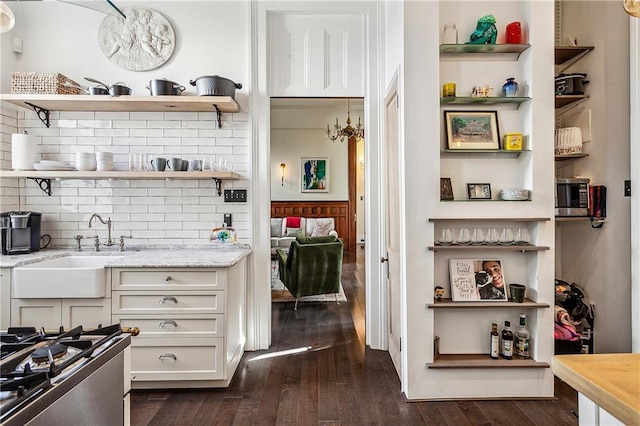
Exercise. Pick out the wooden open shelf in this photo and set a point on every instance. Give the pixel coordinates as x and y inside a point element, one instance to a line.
<point>482,361</point>
<point>566,100</point>
<point>505,247</point>
<point>490,219</point>
<point>124,103</point>
<point>448,304</point>
<point>570,157</point>
<point>119,175</point>
<point>564,54</point>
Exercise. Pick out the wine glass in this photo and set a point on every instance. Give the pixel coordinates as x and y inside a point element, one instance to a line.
<point>477,236</point>
<point>445,237</point>
<point>493,236</point>
<point>464,236</point>
<point>522,236</point>
<point>506,237</point>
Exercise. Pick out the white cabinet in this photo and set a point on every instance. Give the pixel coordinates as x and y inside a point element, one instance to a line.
<point>191,321</point>
<point>5,298</point>
<point>316,55</point>
<point>53,313</point>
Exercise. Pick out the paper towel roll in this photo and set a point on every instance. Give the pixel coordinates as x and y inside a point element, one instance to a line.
<point>23,151</point>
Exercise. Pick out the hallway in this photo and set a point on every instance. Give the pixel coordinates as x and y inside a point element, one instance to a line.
<point>334,379</point>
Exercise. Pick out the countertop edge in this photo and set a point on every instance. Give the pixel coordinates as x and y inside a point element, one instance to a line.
<point>603,397</point>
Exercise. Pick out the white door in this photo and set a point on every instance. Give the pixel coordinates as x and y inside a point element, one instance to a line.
<point>392,221</point>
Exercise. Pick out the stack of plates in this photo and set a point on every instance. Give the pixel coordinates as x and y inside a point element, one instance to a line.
<point>514,194</point>
<point>50,165</point>
<point>85,161</point>
<point>105,161</point>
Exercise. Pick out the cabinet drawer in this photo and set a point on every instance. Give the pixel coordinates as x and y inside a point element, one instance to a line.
<point>168,279</point>
<point>174,325</point>
<point>163,302</point>
<point>170,359</point>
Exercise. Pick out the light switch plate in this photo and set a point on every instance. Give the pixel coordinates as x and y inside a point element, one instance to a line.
<point>227,219</point>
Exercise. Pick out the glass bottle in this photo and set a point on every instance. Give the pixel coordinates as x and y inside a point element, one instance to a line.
<point>450,34</point>
<point>507,341</point>
<point>495,342</point>
<point>514,33</point>
<point>510,88</point>
<point>522,336</point>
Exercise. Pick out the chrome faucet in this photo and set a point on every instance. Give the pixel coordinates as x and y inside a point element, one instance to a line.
<point>108,223</point>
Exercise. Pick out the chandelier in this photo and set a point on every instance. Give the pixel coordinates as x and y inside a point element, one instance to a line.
<point>348,131</point>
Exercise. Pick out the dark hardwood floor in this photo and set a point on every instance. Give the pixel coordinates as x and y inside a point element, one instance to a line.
<point>337,381</point>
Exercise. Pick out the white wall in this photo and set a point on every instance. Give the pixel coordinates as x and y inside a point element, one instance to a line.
<point>599,259</point>
<point>299,131</point>
<point>62,38</point>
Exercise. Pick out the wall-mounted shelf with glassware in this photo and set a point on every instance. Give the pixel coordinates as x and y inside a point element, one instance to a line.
<point>482,152</point>
<point>482,247</point>
<point>449,304</point>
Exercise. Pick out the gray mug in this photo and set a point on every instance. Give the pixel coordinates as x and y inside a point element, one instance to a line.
<point>185,165</point>
<point>159,164</point>
<point>175,164</point>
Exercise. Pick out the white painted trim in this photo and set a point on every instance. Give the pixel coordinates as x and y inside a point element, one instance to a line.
<point>259,310</point>
<point>634,147</point>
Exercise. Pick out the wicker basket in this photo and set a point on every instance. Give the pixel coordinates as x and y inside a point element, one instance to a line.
<point>42,83</point>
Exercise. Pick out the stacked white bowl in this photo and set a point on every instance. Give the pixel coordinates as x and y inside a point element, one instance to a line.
<point>104,161</point>
<point>85,161</point>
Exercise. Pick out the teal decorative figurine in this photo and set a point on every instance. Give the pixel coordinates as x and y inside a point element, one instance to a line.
<point>486,31</point>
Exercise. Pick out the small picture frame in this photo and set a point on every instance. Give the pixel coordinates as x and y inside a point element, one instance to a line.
<point>471,130</point>
<point>479,191</point>
<point>315,174</point>
<point>446,190</point>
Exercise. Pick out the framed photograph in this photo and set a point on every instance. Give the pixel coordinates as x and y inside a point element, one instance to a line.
<point>472,129</point>
<point>479,191</point>
<point>315,174</point>
<point>446,190</point>
<point>474,280</point>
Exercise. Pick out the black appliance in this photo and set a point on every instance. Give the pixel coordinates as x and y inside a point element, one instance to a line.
<point>572,197</point>
<point>20,232</point>
<point>571,84</point>
<point>61,376</point>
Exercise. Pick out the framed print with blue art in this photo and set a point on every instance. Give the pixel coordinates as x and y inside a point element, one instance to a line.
<point>315,174</point>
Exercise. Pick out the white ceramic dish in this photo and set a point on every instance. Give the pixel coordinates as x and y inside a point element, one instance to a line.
<point>49,168</point>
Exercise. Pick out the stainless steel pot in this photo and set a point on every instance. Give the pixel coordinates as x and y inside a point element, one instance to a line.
<point>119,89</point>
<point>213,85</point>
<point>162,87</point>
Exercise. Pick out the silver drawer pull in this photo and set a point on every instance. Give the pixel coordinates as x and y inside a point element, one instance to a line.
<point>167,278</point>
<point>168,299</point>
<point>167,357</point>
<point>169,323</point>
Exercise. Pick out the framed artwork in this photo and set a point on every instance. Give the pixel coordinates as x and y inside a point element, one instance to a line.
<point>472,129</point>
<point>446,190</point>
<point>315,174</point>
<point>474,280</point>
<point>479,191</point>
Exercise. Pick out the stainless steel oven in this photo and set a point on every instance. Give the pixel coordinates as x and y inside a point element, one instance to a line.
<point>572,197</point>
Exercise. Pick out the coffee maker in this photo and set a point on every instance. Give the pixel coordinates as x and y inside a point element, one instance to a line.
<point>20,232</point>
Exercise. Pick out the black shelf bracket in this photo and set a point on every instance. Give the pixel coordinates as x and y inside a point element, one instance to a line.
<point>218,182</point>
<point>219,115</point>
<point>43,114</point>
<point>44,184</point>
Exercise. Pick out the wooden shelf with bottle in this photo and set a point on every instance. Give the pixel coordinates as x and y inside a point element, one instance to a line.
<point>482,361</point>
<point>449,304</point>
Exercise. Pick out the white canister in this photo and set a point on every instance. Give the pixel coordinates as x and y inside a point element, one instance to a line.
<point>449,34</point>
<point>23,151</point>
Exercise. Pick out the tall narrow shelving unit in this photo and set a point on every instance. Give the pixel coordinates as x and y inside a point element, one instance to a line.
<point>456,364</point>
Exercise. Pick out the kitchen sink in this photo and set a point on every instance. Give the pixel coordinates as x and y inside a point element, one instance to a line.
<point>62,277</point>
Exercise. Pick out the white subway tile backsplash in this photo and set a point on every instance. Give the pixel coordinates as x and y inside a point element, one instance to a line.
<point>172,211</point>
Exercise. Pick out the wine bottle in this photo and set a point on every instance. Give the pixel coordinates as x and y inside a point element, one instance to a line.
<point>507,341</point>
<point>495,342</point>
<point>522,338</point>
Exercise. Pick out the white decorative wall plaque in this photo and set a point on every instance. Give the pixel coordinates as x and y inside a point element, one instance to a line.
<point>143,41</point>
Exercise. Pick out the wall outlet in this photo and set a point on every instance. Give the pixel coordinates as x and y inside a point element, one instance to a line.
<point>235,195</point>
<point>227,219</point>
<point>627,188</point>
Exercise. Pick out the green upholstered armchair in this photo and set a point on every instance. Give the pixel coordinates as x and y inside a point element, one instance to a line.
<point>312,266</point>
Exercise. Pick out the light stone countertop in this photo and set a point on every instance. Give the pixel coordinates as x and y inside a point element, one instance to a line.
<point>144,257</point>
